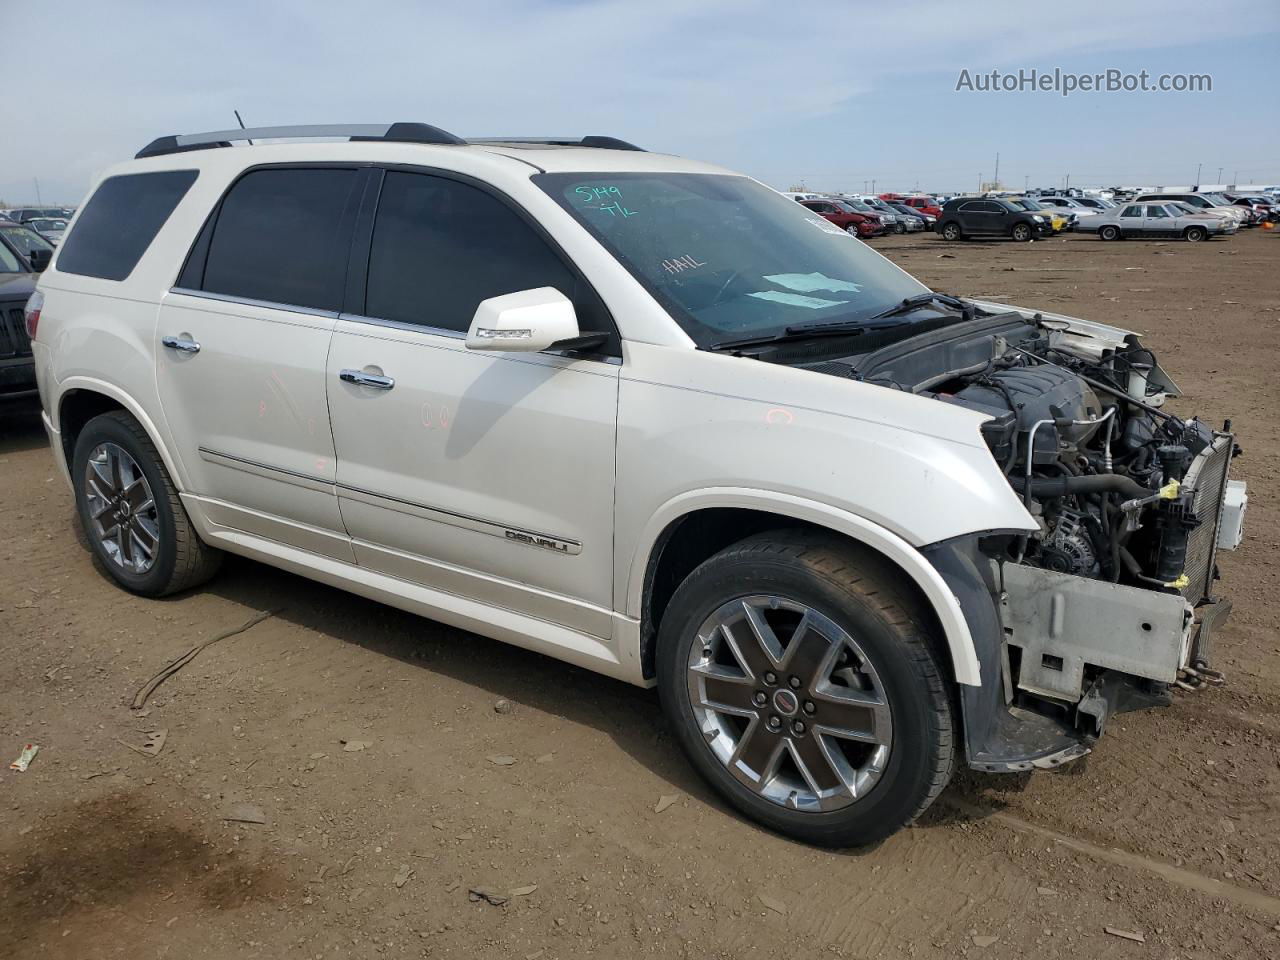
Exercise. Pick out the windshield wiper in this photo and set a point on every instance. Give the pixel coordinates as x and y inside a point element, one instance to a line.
<point>803,331</point>
<point>920,299</point>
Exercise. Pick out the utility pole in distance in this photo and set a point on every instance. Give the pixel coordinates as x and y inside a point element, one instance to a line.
<point>995,177</point>
<point>1198,166</point>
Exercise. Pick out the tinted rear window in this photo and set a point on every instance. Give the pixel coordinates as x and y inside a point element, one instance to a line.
<point>281,236</point>
<point>119,222</point>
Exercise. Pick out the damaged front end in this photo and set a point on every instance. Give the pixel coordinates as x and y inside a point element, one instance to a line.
<point>1109,604</point>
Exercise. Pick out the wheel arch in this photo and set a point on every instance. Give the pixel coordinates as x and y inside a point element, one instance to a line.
<point>80,399</point>
<point>693,527</point>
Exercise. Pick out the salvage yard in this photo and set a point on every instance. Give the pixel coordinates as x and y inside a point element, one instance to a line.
<point>345,780</point>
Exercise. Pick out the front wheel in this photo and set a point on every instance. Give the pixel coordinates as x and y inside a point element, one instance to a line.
<point>1194,234</point>
<point>801,682</point>
<point>851,229</point>
<point>129,509</point>
<point>899,228</point>
<point>1021,232</point>
<point>951,231</point>
<point>1109,233</point>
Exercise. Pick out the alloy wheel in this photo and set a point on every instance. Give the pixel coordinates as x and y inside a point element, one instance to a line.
<point>788,701</point>
<point>121,508</point>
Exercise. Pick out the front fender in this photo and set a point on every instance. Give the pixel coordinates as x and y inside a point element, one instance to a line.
<point>955,628</point>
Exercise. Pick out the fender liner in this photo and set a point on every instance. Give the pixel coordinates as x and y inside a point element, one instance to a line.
<point>997,740</point>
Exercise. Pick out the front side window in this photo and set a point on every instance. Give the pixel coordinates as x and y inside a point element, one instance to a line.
<point>281,236</point>
<point>9,262</point>
<point>25,239</point>
<point>119,222</point>
<point>728,257</point>
<point>1155,210</point>
<point>441,246</point>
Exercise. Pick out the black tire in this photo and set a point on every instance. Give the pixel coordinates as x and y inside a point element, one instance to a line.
<point>857,590</point>
<point>951,231</point>
<point>1195,234</point>
<point>1109,232</point>
<point>1021,232</point>
<point>851,229</point>
<point>899,228</point>
<point>181,559</point>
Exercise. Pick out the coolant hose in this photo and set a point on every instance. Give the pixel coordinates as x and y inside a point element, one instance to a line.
<point>1042,487</point>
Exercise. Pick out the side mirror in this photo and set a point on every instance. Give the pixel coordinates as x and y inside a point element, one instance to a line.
<point>39,259</point>
<point>527,321</point>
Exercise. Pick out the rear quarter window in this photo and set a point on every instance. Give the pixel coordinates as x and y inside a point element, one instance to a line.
<point>119,222</point>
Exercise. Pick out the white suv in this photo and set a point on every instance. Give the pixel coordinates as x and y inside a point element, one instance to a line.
<point>652,418</point>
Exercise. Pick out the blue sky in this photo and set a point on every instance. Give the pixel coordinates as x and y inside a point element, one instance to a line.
<point>830,94</point>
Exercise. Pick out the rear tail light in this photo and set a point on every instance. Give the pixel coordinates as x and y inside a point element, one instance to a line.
<point>31,313</point>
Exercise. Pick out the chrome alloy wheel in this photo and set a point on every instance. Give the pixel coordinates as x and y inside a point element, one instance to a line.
<point>789,703</point>
<point>122,510</point>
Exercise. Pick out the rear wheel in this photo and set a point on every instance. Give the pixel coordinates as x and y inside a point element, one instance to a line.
<point>129,509</point>
<point>951,231</point>
<point>1109,232</point>
<point>1021,232</point>
<point>1194,234</point>
<point>802,684</point>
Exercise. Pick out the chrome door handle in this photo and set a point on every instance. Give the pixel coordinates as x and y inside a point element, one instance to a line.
<point>179,343</point>
<point>363,379</point>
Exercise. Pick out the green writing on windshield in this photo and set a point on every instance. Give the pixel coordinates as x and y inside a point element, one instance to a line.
<point>604,197</point>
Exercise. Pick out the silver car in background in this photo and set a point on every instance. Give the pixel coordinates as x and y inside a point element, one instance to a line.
<point>1167,219</point>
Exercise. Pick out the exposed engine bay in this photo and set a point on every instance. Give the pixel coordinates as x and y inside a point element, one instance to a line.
<point>1131,501</point>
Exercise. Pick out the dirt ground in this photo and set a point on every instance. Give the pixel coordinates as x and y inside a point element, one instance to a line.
<point>1169,833</point>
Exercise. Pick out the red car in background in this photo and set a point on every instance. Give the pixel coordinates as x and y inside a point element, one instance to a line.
<point>923,204</point>
<point>862,225</point>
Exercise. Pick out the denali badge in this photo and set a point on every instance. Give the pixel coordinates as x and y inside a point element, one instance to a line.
<point>534,540</point>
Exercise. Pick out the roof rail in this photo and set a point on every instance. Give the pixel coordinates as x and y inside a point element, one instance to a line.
<point>603,143</point>
<point>390,133</point>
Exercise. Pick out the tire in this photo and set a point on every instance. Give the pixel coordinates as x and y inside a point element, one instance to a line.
<point>1194,234</point>
<point>1021,232</point>
<point>1109,232</point>
<point>146,541</point>
<point>951,231</point>
<point>899,228</point>
<point>851,229</point>
<point>848,592</point>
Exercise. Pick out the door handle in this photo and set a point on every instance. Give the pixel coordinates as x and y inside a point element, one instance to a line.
<point>360,378</point>
<point>180,343</point>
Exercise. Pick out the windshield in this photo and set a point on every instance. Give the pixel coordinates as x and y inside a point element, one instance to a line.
<point>43,224</point>
<point>728,257</point>
<point>1027,204</point>
<point>25,240</point>
<point>859,206</point>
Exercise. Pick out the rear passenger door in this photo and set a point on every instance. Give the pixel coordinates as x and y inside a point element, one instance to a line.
<point>1131,221</point>
<point>242,342</point>
<point>484,475</point>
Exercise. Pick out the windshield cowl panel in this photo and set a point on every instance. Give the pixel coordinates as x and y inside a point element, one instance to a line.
<point>727,257</point>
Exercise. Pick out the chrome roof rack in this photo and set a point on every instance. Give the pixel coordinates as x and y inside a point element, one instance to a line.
<point>386,132</point>
<point>603,143</point>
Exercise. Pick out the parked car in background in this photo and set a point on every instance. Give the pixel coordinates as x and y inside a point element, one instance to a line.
<point>927,205</point>
<point>1157,220</point>
<point>1094,203</point>
<point>51,228</point>
<point>1258,203</point>
<point>845,217</point>
<point>916,220</point>
<point>17,367</point>
<point>1069,205</point>
<point>23,214</point>
<point>1215,207</point>
<point>892,219</point>
<point>1060,220</point>
<point>967,217</point>
<point>34,249</point>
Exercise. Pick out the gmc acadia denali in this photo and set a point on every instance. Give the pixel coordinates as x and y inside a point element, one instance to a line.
<point>650,417</point>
